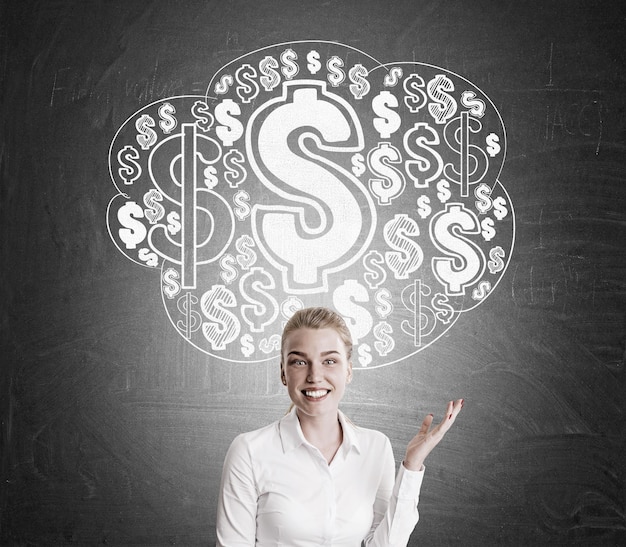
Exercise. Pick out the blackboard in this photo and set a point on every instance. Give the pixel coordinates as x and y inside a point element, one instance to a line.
<point>114,427</point>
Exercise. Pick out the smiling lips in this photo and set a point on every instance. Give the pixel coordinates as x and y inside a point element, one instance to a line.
<point>315,394</point>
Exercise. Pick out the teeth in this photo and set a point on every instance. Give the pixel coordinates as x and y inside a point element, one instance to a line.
<point>316,394</point>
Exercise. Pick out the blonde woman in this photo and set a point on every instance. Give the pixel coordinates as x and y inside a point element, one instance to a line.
<point>313,478</point>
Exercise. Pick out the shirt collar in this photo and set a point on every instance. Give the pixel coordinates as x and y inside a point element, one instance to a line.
<point>292,437</point>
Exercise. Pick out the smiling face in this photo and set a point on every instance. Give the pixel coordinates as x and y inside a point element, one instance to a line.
<point>315,368</point>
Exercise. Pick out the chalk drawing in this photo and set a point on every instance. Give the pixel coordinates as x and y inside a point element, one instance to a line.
<point>312,174</point>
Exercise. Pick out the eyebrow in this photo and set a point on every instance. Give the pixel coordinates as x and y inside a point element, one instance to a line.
<point>303,354</point>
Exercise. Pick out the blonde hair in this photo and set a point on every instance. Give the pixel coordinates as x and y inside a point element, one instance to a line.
<point>317,318</point>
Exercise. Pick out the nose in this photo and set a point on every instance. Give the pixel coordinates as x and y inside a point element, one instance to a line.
<point>315,373</point>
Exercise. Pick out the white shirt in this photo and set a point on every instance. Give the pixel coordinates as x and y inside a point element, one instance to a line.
<point>278,489</point>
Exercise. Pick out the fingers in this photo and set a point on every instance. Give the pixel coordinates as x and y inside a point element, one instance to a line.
<point>426,425</point>
<point>452,411</point>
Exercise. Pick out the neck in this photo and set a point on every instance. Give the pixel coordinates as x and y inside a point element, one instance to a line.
<point>324,432</point>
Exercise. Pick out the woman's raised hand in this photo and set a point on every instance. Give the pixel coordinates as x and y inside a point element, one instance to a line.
<point>426,439</point>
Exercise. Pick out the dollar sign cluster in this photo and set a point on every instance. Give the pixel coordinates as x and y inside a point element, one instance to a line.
<point>312,173</point>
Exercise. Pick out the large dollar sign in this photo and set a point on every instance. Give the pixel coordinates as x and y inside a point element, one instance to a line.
<point>465,261</point>
<point>346,299</point>
<point>262,308</point>
<point>306,235</point>
<point>408,255</point>
<point>392,184</point>
<point>222,326</point>
<point>472,160</point>
<point>177,165</point>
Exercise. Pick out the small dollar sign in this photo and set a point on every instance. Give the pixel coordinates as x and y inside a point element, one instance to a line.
<point>242,209</point>
<point>365,354</point>
<point>481,292</point>
<point>171,286</point>
<point>443,191</point>
<point>146,136</point>
<point>423,206</point>
<point>228,273</point>
<point>203,116</point>
<point>222,326</point>
<point>336,75</point>
<point>476,106</point>
<point>290,68</point>
<point>496,264</point>
<point>168,122</point>
<point>231,129</point>
<point>360,86</point>
<point>384,342</point>
<point>256,288</point>
<point>290,306</point>
<point>150,258</point>
<point>314,65</point>
<point>483,195</point>
<point>246,257</point>
<point>270,78</point>
<point>443,106</point>
<point>247,89</point>
<point>376,275</point>
<point>247,344</point>
<point>358,164</point>
<point>155,210</point>
<point>408,255</point>
<point>193,319</point>
<point>415,97</point>
<point>392,183</point>
<point>222,87</point>
<point>383,300</point>
<point>392,78</point>
<point>173,223</point>
<point>358,319</point>
<point>443,310</point>
<point>210,177</point>
<point>268,345</point>
<point>488,231</point>
<point>499,208</point>
<point>493,146</point>
<point>448,230</point>
<point>130,170</point>
<point>423,320</point>
<point>389,120</point>
<point>133,231</point>
<point>235,173</point>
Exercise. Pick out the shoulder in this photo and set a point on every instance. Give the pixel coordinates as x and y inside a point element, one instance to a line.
<point>251,440</point>
<point>368,439</point>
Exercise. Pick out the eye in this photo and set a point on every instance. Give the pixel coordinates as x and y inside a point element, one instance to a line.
<point>330,361</point>
<point>297,362</point>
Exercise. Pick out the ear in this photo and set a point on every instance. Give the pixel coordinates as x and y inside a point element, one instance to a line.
<point>282,375</point>
<point>349,379</point>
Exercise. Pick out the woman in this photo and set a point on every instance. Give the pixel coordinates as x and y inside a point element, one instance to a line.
<point>313,478</point>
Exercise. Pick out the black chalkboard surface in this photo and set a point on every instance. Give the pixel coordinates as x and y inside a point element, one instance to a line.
<point>115,418</point>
